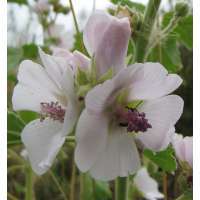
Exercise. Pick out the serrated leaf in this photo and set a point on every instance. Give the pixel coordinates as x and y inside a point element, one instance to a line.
<point>164,159</point>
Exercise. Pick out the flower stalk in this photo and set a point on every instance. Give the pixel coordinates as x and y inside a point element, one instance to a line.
<point>146,28</point>
<point>29,183</point>
<point>121,188</point>
<point>74,17</point>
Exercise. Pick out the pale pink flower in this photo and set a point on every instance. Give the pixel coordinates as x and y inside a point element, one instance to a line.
<point>41,6</point>
<point>183,148</point>
<point>49,91</point>
<point>107,128</point>
<point>147,185</point>
<point>106,38</point>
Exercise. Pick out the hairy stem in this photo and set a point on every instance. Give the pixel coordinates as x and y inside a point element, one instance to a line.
<point>146,28</point>
<point>121,188</point>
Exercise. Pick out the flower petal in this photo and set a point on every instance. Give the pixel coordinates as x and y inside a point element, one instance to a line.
<point>71,117</point>
<point>43,141</point>
<point>119,158</point>
<point>104,94</point>
<point>162,114</point>
<point>189,150</point>
<point>91,136</point>
<point>54,66</point>
<point>34,87</point>
<point>94,30</point>
<point>183,148</point>
<point>75,59</point>
<point>147,185</point>
<point>153,81</point>
<point>112,49</point>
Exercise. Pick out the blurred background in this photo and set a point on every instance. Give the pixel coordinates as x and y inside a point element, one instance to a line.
<point>30,24</point>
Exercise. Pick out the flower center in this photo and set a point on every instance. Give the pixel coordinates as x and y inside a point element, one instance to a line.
<point>52,110</point>
<point>134,120</point>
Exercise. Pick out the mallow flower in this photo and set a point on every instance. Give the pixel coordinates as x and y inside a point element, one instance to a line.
<point>134,104</point>
<point>49,91</point>
<point>183,148</point>
<point>147,185</point>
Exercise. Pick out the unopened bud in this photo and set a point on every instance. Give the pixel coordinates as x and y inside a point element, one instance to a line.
<point>181,9</point>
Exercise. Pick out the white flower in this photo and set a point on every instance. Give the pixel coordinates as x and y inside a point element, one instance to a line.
<point>147,185</point>
<point>48,90</point>
<point>183,148</point>
<point>105,147</point>
<point>42,6</point>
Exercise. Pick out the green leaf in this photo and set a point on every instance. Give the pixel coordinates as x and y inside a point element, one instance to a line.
<point>28,116</point>
<point>15,55</point>
<point>187,195</point>
<point>102,190</point>
<point>184,31</point>
<point>30,51</point>
<point>18,1</point>
<point>15,126</point>
<point>164,159</point>
<point>167,54</point>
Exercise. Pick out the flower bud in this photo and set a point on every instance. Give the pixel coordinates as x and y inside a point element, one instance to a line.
<point>181,9</point>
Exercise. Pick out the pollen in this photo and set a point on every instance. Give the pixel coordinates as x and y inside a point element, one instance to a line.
<point>53,111</point>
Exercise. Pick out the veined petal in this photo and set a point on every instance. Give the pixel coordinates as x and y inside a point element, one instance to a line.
<point>153,81</point>
<point>119,158</point>
<point>91,136</point>
<point>71,117</point>
<point>54,66</point>
<point>162,114</point>
<point>112,48</point>
<point>94,30</point>
<point>26,98</point>
<point>43,141</point>
<point>147,185</point>
<point>34,87</point>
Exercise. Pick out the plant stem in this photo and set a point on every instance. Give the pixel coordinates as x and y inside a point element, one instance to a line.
<point>29,183</point>
<point>121,188</point>
<point>165,185</point>
<point>58,184</point>
<point>146,28</point>
<point>74,17</point>
<point>72,182</point>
